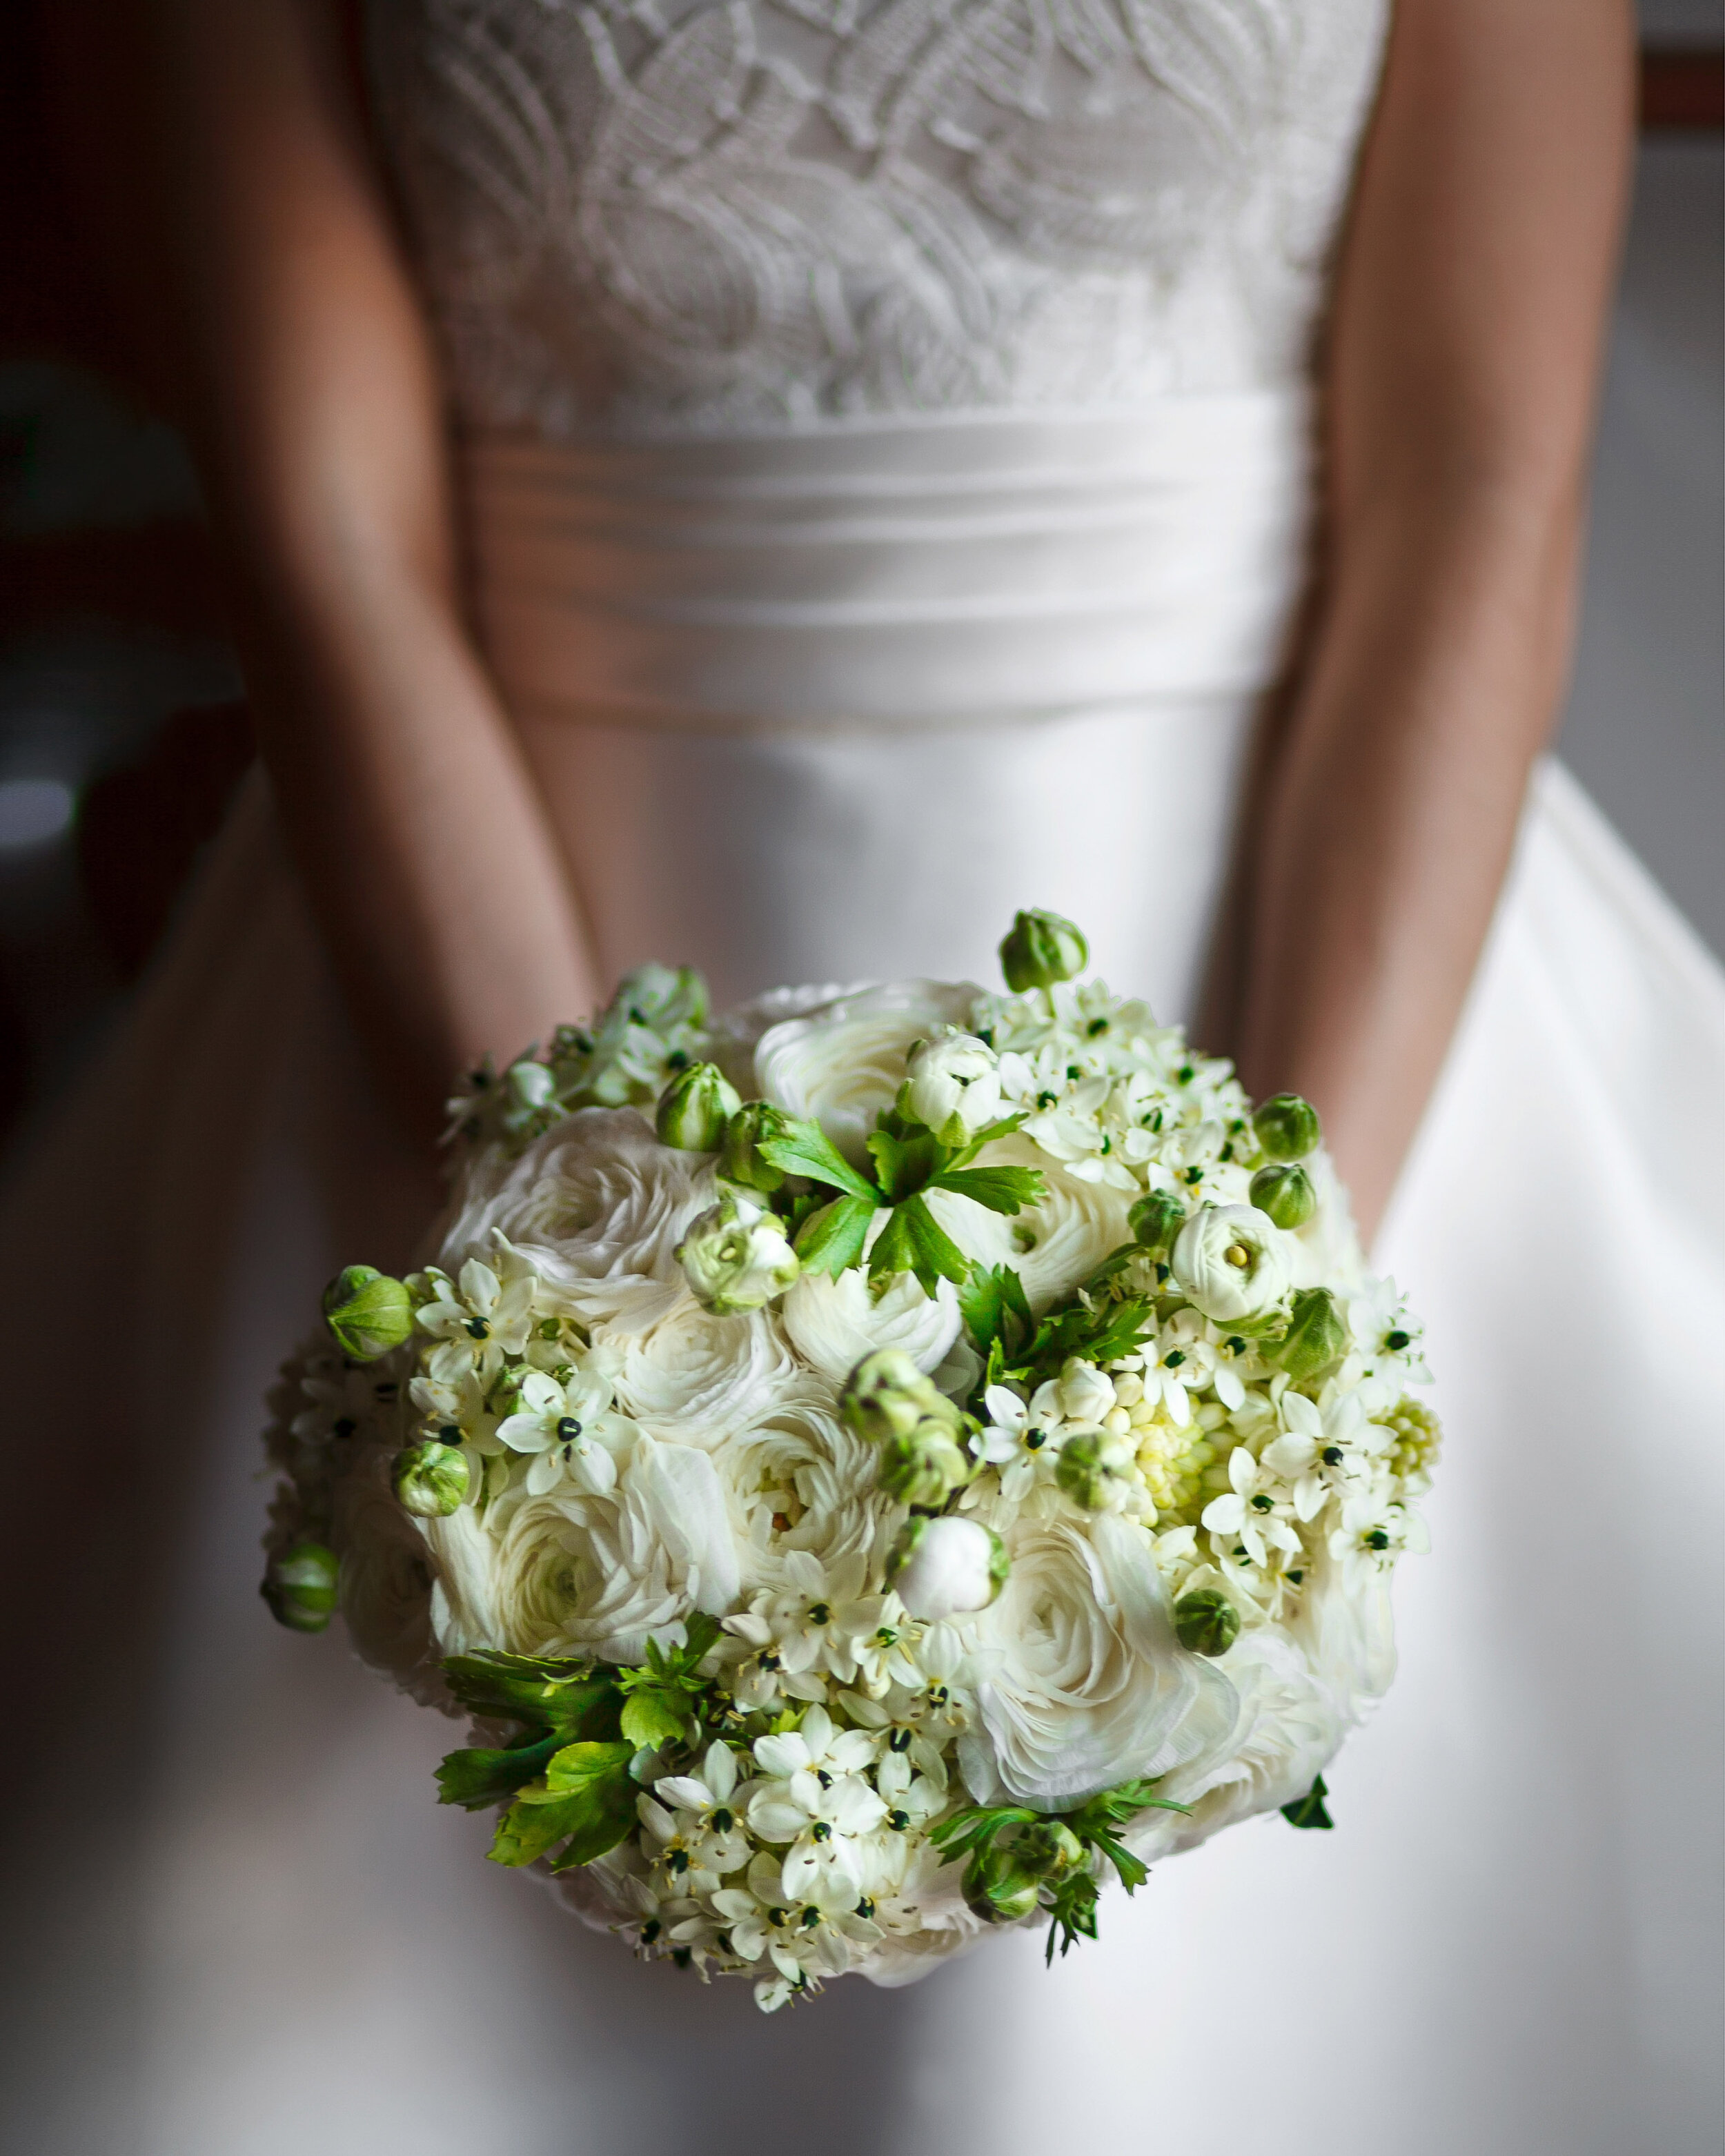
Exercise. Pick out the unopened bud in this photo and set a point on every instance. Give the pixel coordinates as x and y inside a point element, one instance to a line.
<point>1284,1191</point>
<point>996,1890</point>
<point>924,1468</point>
<point>1092,1467</point>
<point>735,1257</point>
<point>1315,1338</point>
<point>300,1587</point>
<point>945,1568</point>
<point>1286,1126</point>
<point>1205,1622</point>
<point>430,1479</point>
<point>741,1160</point>
<point>1039,949</point>
<point>1047,1849</point>
<point>886,1396</point>
<point>1156,1220</point>
<point>367,1312</point>
<point>695,1108</point>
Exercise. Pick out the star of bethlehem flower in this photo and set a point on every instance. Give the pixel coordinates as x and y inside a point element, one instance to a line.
<point>570,1428</point>
<point>1253,1513</point>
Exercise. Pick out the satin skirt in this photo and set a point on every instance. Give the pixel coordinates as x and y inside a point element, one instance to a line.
<point>239,1925</point>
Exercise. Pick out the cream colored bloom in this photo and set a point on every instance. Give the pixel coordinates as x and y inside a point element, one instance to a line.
<point>843,1063</point>
<point>1231,1262</point>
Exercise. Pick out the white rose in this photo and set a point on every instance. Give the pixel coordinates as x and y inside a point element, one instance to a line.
<point>582,1575</point>
<point>803,1480</point>
<point>945,1568</point>
<point>845,1062</point>
<point>598,1206</point>
<point>695,1378</point>
<point>1080,1682</point>
<point>954,1087</point>
<point>833,1323</point>
<point>1053,1245</point>
<point>385,1582</point>
<point>1231,1261</point>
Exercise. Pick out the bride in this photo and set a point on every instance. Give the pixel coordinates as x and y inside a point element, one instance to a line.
<point>778,485</point>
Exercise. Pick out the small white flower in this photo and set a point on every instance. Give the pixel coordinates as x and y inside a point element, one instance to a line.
<point>1015,1443</point>
<point>570,1428</point>
<point>1254,1512</point>
<point>1374,1532</point>
<point>702,1809</point>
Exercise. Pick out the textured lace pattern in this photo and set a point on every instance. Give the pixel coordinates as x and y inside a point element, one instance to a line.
<point>727,216</point>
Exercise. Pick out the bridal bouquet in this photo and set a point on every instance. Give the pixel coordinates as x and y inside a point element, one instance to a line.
<point>872,1465</point>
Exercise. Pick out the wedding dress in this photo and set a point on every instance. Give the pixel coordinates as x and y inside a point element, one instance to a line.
<point>884,430</point>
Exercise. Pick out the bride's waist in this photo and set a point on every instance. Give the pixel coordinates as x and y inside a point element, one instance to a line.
<point>931,570</point>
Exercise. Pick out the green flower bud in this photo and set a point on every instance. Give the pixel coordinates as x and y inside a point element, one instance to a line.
<point>695,1108</point>
<point>1048,1849</point>
<point>735,1256</point>
<point>1040,949</point>
<point>996,1890</point>
<point>740,1158</point>
<point>367,1312</point>
<point>1157,1220</point>
<point>1091,1467</point>
<point>1286,1126</point>
<point>300,1587</point>
<point>886,1396</point>
<point>924,1467</point>
<point>1284,1191</point>
<point>430,1479</point>
<point>1315,1338</point>
<point>1205,1622</point>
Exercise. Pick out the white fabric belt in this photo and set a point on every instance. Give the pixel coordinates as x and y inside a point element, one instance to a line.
<point>955,568</point>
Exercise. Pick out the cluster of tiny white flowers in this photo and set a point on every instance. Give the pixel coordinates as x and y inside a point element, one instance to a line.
<point>617,1458</point>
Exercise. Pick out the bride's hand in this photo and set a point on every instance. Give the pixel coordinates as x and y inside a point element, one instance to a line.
<point>312,392</point>
<point>1461,378</point>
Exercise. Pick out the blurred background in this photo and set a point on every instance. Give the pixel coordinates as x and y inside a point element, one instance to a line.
<point>122,727</point>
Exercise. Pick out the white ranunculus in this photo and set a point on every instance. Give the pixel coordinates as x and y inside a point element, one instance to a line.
<point>586,1575</point>
<point>950,1568</point>
<point>1080,1681</point>
<point>695,1378</point>
<point>1053,1246</point>
<point>598,1206</point>
<point>833,1323</point>
<point>1231,1261</point>
<point>843,1062</point>
<point>1289,1724</point>
<point>385,1582</point>
<point>954,1087</point>
<point>801,1480</point>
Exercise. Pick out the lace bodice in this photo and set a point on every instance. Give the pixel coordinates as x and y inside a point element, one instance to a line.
<point>725,216</point>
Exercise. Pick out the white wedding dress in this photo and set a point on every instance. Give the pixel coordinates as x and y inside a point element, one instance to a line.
<point>885,430</point>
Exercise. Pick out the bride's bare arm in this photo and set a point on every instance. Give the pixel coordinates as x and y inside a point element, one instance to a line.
<point>1463,359</point>
<point>312,396</point>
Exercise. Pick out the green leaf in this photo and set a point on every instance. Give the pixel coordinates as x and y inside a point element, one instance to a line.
<point>986,1136</point>
<point>651,1719</point>
<point>476,1779</point>
<point>585,1798</point>
<point>832,1239</point>
<point>904,1163</point>
<point>805,1149</point>
<point>913,1242</point>
<point>976,1826</point>
<point>1100,1332</point>
<point>1310,1810</point>
<point>996,1313</point>
<point>1001,1189</point>
<point>1072,1910</point>
<point>547,1693</point>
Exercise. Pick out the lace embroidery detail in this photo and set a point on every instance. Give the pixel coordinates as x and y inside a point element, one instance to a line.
<point>643,216</point>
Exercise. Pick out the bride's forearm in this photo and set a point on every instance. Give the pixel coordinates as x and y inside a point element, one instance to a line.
<point>1392,811</point>
<point>311,391</point>
<point>1461,372</point>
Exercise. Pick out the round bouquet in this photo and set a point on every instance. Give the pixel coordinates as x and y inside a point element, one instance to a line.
<point>873,1466</point>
